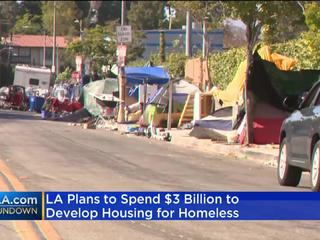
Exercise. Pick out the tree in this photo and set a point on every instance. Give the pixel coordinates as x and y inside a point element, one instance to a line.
<point>288,27</point>
<point>82,9</point>
<point>98,45</point>
<point>8,12</point>
<point>146,15</point>
<point>213,11</point>
<point>65,16</point>
<point>135,48</point>
<point>28,24</point>
<point>312,37</point>
<point>254,14</point>
<point>28,20</point>
<point>64,76</point>
<point>31,7</point>
<point>178,19</point>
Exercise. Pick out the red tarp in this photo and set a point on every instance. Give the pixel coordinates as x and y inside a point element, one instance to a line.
<point>267,130</point>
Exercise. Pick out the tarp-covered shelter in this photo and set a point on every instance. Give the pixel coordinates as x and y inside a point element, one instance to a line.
<point>270,86</point>
<point>107,86</point>
<point>271,81</point>
<point>234,92</point>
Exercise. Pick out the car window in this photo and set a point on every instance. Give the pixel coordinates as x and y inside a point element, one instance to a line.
<point>317,102</point>
<point>310,97</point>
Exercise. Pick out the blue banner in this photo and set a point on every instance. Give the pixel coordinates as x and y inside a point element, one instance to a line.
<point>160,206</point>
<point>182,206</point>
<point>21,205</point>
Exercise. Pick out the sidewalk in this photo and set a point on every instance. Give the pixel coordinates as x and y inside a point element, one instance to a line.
<point>262,154</point>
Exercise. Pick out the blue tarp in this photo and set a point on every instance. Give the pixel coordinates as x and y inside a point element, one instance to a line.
<point>150,75</point>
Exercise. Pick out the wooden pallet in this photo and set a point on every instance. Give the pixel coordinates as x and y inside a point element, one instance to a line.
<point>187,113</point>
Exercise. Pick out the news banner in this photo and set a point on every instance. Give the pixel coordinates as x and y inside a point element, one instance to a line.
<point>159,206</point>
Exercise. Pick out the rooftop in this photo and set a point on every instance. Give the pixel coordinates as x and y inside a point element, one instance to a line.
<point>23,40</point>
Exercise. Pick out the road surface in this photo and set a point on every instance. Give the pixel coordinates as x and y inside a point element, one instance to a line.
<point>52,156</point>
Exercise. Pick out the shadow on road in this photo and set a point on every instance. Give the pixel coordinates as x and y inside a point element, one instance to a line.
<point>18,115</point>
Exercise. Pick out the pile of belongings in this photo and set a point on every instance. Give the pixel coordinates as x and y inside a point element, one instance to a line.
<point>222,125</point>
<point>63,99</point>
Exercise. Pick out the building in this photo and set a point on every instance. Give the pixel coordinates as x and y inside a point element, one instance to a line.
<point>30,49</point>
<point>175,41</point>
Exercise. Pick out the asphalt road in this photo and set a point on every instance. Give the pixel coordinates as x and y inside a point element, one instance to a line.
<point>52,156</point>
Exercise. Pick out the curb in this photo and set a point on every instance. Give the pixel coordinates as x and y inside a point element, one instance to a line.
<point>227,150</point>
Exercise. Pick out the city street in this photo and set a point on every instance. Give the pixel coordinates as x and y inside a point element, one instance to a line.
<point>52,156</point>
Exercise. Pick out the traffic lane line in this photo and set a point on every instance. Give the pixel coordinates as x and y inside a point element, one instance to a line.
<point>44,227</point>
<point>23,228</point>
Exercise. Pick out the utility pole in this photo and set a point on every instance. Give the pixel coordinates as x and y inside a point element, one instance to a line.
<point>54,42</point>
<point>123,12</point>
<point>188,35</point>
<point>169,121</point>
<point>57,63</point>
<point>44,48</point>
<point>81,30</point>
<point>121,75</point>
<point>162,41</point>
<point>170,17</point>
<point>204,39</point>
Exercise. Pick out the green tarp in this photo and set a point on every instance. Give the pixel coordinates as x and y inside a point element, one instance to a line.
<point>272,85</point>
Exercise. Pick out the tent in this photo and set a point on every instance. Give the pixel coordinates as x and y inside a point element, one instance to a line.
<point>148,75</point>
<point>91,90</point>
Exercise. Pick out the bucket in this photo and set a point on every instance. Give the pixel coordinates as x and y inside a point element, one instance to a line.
<point>32,100</point>
<point>45,114</point>
<point>39,101</point>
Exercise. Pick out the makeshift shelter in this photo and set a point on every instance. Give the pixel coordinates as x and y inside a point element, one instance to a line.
<point>270,82</point>
<point>270,86</point>
<point>233,94</point>
<point>156,112</point>
<point>106,88</point>
<point>144,76</point>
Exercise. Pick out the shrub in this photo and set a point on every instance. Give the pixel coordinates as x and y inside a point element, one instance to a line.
<point>175,64</point>
<point>223,65</point>
<point>64,76</point>
<point>300,50</point>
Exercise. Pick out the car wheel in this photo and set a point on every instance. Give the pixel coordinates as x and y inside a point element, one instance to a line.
<point>287,175</point>
<point>315,170</point>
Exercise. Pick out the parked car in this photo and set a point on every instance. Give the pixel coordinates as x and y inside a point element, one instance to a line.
<point>300,142</point>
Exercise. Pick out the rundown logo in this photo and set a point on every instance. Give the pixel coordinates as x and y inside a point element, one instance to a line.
<point>20,205</point>
<point>19,210</point>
